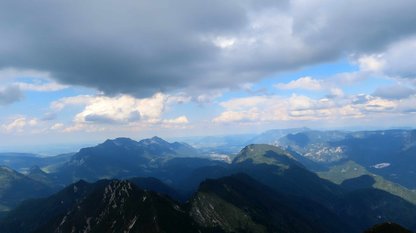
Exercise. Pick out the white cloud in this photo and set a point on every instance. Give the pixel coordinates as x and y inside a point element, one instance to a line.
<point>51,86</point>
<point>302,108</point>
<point>102,112</point>
<point>224,42</point>
<point>20,124</point>
<point>73,100</point>
<point>371,63</point>
<point>237,116</point>
<point>57,126</point>
<point>306,83</point>
<point>178,120</point>
<point>121,109</point>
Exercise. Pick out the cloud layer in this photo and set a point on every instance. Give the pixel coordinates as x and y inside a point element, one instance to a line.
<point>144,47</point>
<point>10,95</point>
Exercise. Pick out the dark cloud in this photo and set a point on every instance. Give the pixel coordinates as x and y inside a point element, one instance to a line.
<point>394,92</point>
<point>354,26</point>
<point>140,47</point>
<point>399,59</point>
<point>10,95</point>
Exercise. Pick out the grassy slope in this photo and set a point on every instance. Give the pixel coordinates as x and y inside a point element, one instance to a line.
<point>350,169</point>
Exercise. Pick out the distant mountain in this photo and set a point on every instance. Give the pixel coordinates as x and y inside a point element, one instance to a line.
<point>222,144</point>
<point>37,174</point>
<point>105,206</point>
<point>388,153</point>
<point>319,146</point>
<point>121,158</point>
<point>272,136</point>
<point>16,187</point>
<point>22,162</point>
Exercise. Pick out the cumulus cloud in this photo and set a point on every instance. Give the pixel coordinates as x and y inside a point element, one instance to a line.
<point>72,100</point>
<point>19,124</point>
<point>178,120</point>
<point>10,95</point>
<point>259,109</point>
<point>121,109</point>
<point>371,63</point>
<point>144,47</point>
<point>306,83</point>
<point>103,112</point>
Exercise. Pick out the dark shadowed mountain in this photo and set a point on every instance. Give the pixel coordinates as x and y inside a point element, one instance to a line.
<point>387,227</point>
<point>105,206</point>
<point>155,185</point>
<point>236,203</point>
<point>239,203</point>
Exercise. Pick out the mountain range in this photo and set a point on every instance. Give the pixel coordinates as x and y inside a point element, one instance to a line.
<point>156,186</point>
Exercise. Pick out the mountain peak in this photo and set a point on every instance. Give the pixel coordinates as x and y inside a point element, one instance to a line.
<point>154,141</point>
<point>121,141</point>
<point>263,153</point>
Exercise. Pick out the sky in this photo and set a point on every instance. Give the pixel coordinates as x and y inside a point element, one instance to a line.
<point>83,71</point>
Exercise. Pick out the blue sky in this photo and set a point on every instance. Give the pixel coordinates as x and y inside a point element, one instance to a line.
<point>229,67</point>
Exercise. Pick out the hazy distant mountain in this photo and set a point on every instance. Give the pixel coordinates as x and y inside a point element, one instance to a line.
<point>272,136</point>
<point>319,146</point>
<point>22,162</point>
<point>16,187</point>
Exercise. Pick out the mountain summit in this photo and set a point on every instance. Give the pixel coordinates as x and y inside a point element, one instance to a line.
<point>266,154</point>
